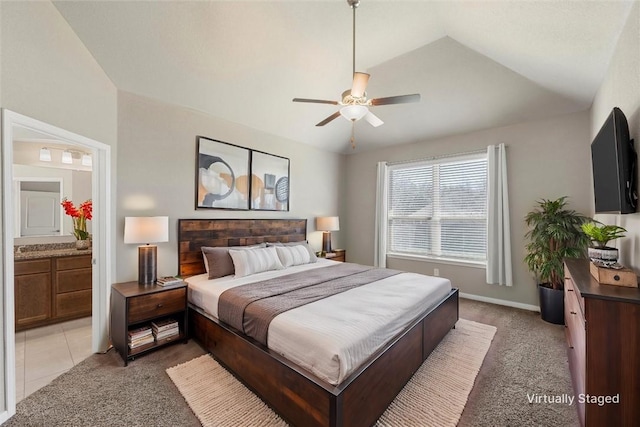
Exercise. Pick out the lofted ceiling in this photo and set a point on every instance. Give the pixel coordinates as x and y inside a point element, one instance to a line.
<point>476,64</point>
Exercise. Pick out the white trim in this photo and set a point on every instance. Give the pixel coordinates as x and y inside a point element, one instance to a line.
<point>428,160</point>
<point>101,188</point>
<point>504,302</point>
<point>8,309</point>
<point>437,260</point>
<point>381,220</point>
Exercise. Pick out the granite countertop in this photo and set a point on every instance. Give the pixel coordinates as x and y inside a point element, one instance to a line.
<point>47,250</point>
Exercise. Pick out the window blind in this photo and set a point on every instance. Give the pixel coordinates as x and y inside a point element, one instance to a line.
<point>438,208</point>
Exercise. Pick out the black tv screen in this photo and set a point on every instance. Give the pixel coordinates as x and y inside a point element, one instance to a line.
<point>614,166</point>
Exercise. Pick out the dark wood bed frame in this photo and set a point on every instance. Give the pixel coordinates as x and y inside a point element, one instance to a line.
<point>301,398</point>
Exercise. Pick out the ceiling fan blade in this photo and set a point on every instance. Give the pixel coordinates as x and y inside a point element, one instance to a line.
<point>373,119</point>
<point>315,101</point>
<point>402,99</point>
<point>330,118</point>
<point>360,81</point>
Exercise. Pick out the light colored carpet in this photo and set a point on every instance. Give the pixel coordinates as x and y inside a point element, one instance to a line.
<point>435,396</point>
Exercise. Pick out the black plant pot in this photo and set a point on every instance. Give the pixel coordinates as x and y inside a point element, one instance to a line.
<point>551,305</point>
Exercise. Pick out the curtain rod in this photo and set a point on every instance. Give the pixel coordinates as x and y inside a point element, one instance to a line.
<point>443,156</point>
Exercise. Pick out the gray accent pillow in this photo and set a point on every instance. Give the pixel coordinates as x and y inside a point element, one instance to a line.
<point>218,262</point>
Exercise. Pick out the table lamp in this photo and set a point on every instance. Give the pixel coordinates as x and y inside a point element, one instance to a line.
<point>327,224</point>
<point>149,229</point>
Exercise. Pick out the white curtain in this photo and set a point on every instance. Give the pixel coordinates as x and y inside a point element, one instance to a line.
<point>380,244</point>
<point>499,268</point>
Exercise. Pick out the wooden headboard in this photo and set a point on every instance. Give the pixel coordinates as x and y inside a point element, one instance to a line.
<point>193,234</point>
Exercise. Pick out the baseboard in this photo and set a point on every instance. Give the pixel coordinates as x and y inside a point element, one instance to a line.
<point>500,302</point>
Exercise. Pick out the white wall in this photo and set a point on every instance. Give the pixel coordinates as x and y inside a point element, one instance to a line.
<point>157,167</point>
<point>621,88</point>
<point>546,159</point>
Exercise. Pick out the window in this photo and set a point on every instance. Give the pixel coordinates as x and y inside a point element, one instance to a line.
<point>438,208</point>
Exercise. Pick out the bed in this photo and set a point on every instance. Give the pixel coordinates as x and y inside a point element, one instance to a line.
<point>300,396</point>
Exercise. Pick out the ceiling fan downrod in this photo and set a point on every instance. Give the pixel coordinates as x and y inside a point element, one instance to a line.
<point>354,5</point>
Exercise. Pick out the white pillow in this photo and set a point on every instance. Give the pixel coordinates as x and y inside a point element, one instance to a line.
<point>312,254</point>
<point>255,261</point>
<point>293,255</point>
<point>217,255</point>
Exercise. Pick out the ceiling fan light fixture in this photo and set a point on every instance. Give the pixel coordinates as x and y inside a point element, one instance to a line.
<point>354,112</point>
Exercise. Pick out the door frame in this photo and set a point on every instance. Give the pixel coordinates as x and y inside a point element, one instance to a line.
<point>102,245</point>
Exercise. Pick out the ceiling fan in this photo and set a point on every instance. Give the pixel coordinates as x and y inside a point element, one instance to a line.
<point>354,101</point>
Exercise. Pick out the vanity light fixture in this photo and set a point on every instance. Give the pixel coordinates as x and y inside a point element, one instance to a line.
<point>45,154</point>
<point>67,158</point>
<point>86,160</point>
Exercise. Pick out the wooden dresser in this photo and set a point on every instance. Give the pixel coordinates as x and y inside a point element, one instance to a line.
<point>603,335</point>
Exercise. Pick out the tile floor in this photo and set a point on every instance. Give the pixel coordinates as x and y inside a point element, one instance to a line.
<point>44,353</point>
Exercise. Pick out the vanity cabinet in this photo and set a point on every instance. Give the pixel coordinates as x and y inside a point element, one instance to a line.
<point>52,290</point>
<point>32,292</point>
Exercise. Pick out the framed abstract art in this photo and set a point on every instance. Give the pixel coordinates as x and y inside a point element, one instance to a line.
<point>269,182</point>
<point>222,175</point>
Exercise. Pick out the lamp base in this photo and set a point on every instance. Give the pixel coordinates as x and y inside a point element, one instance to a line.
<point>147,264</point>
<point>326,241</point>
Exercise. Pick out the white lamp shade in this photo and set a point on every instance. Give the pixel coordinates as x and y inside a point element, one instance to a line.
<point>67,157</point>
<point>45,155</point>
<point>354,112</point>
<point>86,160</point>
<point>146,229</point>
<point>327,223</point>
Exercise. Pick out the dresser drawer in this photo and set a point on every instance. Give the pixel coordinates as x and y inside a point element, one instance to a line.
<point>572,292</point>
<point>157,304</point>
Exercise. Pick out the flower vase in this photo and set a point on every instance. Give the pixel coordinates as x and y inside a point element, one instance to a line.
<point>83,245</point>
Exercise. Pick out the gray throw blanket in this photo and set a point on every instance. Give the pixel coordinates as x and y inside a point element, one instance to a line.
<point>250,308</point>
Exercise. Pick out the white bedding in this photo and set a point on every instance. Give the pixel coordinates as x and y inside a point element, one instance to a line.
<point>332,337</point>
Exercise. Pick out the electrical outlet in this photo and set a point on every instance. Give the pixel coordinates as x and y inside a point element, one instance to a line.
<point>436,272</point>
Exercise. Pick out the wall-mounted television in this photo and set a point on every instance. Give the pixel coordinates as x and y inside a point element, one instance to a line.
<point>614,162</point>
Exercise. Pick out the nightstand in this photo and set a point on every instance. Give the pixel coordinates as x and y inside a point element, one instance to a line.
<point>135,306</point>
<point>337,255</point>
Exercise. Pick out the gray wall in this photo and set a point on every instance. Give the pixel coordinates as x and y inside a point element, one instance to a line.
<point>46,73</point>
<point>546,159</point>
<point>156,174</point>
<point>49,75</point>
<point>621,88</point>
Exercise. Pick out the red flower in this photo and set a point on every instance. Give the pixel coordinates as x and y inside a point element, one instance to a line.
<point>80,217</point>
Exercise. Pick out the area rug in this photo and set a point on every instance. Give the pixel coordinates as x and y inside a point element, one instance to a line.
<point>435,395</point>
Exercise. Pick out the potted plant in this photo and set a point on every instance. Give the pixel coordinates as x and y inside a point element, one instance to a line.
<point>80,215</point>
<point>600,235</point>
<point>555,234</point>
